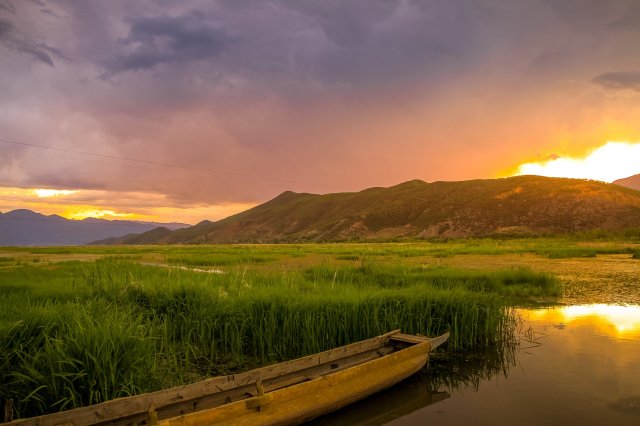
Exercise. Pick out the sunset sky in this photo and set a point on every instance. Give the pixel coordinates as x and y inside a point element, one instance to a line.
<point>192,110</point>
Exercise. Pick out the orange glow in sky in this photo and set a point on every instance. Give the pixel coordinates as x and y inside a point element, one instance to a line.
<point>141,206</point>
<point>614,160</point>
<point>99,214</point>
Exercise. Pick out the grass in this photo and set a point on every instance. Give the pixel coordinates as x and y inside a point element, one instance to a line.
<point>221,259</point>
<point>76,333</point>
<point>516,282</point>
<point>581,251</point>
<point>84,325</point>
<point>98,353</point>
<point>416,251</point>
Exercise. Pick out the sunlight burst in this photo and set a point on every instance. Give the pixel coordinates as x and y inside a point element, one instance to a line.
<point>614,160</point>
<point>46,193</point>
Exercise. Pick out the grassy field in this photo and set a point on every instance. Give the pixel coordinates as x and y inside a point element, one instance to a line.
<point>80,325</point>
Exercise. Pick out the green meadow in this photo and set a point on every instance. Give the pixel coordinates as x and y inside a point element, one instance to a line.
<point>81,325</point>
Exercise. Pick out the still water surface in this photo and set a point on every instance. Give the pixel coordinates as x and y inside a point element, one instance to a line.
<point>574,365</point>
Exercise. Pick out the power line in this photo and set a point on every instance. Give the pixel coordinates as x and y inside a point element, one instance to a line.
<point>87,160</point>
<point>158,164</point>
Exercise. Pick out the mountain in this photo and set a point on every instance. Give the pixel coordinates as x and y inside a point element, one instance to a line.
<point>28,228</point>
<point>149,237</point>
<point>632,182</point>
<point>522,205</point>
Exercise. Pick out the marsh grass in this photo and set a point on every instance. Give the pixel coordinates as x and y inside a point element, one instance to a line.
<point>580,251</point>
<point>407,252</point>
<point>76,333</point>
<point>222,259</point>
<point>517,282</point>
<point>93,356</point>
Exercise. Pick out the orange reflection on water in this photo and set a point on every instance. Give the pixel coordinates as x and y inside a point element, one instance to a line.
<point>623,319</point>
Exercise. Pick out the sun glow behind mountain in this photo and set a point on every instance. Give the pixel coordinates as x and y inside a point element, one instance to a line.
<point>99,214</point>
<point>614,160</point>
<point>112,205</point>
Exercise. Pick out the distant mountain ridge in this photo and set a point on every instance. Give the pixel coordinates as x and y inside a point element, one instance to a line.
<point>632,182</point>
<point>27,228</point>
<point>522,205</point>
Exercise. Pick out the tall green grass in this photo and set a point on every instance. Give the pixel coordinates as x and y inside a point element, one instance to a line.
<point>74,333</point>
<point>516,282</point>
<point>55,360</point>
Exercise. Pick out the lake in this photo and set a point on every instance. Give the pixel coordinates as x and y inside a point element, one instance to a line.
<point>577,364</point>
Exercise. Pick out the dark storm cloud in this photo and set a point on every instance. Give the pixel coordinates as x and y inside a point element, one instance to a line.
<point>373,44</point>
<point>165,39</point>
<point>7,6</point>
<point>5,29</point>
<point>619,80</point>
<point>50,12</point>
<point>294,46</point>
<point>346,23</point>
<point>13,39</point>
<point>628,19</point>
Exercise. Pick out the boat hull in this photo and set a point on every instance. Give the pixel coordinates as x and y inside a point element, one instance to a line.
<point>285,393</point>
<point>318,396</point>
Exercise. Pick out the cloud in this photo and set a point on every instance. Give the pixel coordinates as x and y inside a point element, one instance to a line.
<point>619,80</point>
<point>12,39</point>
<point>6,28</point>
<point>346,23</point>
<point>164,39</point>
<point>8,7</point>
<point>628,19</point>
<point>312,96</point>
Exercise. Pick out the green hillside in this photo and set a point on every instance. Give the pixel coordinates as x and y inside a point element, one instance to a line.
<point>523,205</point>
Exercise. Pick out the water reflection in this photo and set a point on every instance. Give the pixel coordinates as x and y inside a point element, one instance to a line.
<point>446,373</point>
<point>568,365</point>
<point>624,320</point>
<point>403,399</point>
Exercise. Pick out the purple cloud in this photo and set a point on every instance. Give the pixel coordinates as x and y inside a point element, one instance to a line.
<point>619,80</point>
<point>157,40</point>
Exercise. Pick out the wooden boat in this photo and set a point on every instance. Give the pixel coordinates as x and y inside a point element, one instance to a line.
<point>413,394</point>
<point>281,394</point>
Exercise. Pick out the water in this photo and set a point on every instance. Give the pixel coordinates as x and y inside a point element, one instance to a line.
<point>575,364</point>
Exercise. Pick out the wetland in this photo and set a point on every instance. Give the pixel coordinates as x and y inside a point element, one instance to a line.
<point>80,325</point>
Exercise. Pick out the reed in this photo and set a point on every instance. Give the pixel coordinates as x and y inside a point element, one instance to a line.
<point>56,360</point>
<point>77,333</point>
